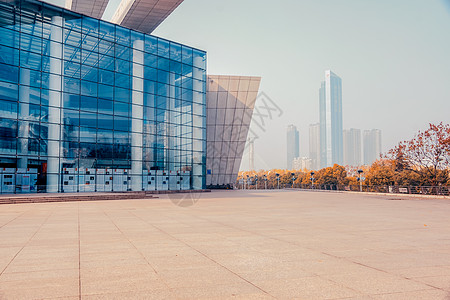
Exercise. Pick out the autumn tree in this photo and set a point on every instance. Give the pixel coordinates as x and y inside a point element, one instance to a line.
<point>381,172</point>
<point>427,154</point>
<point>331,175</point>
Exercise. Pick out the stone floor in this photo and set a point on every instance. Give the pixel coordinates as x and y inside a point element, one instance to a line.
<point>230,244</point>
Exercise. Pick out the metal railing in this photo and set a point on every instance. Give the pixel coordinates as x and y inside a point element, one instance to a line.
<point>396,189</point>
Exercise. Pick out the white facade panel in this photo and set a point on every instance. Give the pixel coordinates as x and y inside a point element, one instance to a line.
<point>227,131</point>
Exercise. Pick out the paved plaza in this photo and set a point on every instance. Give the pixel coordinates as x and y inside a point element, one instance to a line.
<point>228,244</point>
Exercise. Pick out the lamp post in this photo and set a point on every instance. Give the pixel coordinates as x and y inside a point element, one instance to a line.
<point>265,181</point>
<point>360,181</point>
<point>312,179</point>
<point>278,179</point>
<point>293,179</point>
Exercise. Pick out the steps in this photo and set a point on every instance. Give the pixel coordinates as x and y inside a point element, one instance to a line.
<point>45,198</point>
<point>98,196</point>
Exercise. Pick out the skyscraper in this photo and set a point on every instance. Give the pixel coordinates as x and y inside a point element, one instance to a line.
<point>352,147</point>
<point>372,145</point>
<point>314,145</point>
<point>292,145</point>
<point>330,102</point>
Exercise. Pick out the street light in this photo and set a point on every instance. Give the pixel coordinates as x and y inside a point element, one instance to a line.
<point>312,179</point>
<point>293,179</point>
<point>265,181</point>
<point>278,179</point>
<point>360,181</point>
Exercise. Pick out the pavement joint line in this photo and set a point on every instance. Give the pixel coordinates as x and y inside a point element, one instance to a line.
<point>211,259</point>
<point>384,271</point>
<point>295,244</point>
<point>14,219</point>
<point>325,253</point>
<point>32,236</point>
<point>138,251</point>
<point>394,293</point>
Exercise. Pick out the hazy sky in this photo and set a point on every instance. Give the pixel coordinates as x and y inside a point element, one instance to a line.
<point>393,57</point>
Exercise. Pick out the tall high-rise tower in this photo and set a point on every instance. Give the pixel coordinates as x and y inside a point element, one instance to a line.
<point>292,145</point>
<point>314,145</point>
<point>372,145</point>
<point>352,147</point>
<point>330,102</point>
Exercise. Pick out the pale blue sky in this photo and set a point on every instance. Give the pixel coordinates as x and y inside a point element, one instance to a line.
<point>392,55</point>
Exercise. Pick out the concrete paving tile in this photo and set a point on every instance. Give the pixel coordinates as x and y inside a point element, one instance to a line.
<point>39,288</point>
<point>394,262</point>
<point>37,265</point>
<point>330,265</point>
<point>442,282</point>
<point>52,255</point>
<point>49,241</point>
<point>422,271</point>
<point>125,261</point>
<point>132,295</point>
<point>306,288</point>
<point>174,262</point>
<point>110,256</point>
<point>40,276</point>
<point>431,294</point>
<point>112,284</point>
<point>221,291</point>
<point>128,271</point>
<point>279,272</point>
<point>198,277</point>
<point>63,298</point>
<point>7,254</point>
<point>376,283</point>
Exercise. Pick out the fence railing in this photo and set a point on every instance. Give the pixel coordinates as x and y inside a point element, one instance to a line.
<point>397,189</point>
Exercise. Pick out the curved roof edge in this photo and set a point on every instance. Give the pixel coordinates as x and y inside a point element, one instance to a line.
<point>141,15</point>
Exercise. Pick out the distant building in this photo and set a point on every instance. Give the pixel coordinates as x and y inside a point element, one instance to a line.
<point>330,101</point>
<point>302,163</point>
<point>372,145</point>
<point>314,145</point>
<point>292,145</point>
<point>352,147</point>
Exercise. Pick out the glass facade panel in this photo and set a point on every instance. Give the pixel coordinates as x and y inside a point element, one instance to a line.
<point>86,105</point>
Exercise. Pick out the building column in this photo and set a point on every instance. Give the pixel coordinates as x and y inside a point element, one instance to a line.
<point>137,113</point>
<point>24,108</point>
<point>198,61</point>
<point>54,110</point>
<point>171,132</point>
<point>198,168</point>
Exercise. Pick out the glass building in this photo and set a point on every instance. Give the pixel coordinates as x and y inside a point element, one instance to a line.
<point>87,105</point>
<point>330,106</point>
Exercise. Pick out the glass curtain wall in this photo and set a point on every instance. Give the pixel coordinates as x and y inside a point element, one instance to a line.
<point>87,105</point>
